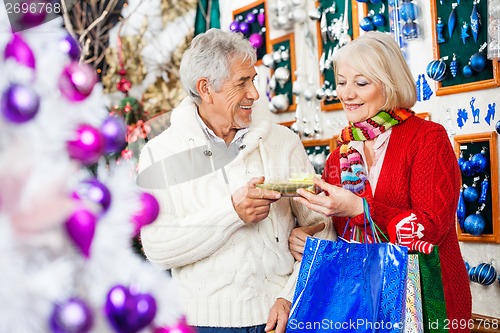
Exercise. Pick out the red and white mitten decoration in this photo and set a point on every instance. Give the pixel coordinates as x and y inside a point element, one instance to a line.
<point>404,230</point>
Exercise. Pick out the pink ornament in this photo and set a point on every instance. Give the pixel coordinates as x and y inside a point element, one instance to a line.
<point>77,81</point>
<point>261,18</point>
<point>128,312</point>
<point>32,18</point>
<point>88,145</point>
<point>256,40</point>
<point>81,227</point>
<point>150,209</point>
<point>20,51</point>
<point>180,327</point>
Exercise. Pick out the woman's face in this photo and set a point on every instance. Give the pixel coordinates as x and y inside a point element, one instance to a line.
<point>360,97</point>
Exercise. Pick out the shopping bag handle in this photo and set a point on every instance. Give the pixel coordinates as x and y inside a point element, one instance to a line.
<point>373,226</point>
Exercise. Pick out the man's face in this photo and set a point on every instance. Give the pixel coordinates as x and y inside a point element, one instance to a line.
<point>234,100</point>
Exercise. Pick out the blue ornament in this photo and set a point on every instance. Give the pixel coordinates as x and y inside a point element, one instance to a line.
<point>436,70</point>
<point>474,22</point>
<point>378,20</point>
<point>363,1</point>
<point>467,71</point>
<point>467,266</point>
<point>497,127</point>
<point>478,61</point>
<point>461,210</point>
<point>485,274</point>
<point>470,193</point>
<point>366,24</point>
<point>485,184</point>
<point>464,35</point>
<point>467,168</point>
<point>474,224</point>
<point>409,11</point>
<point>454,66</point>
<point>461,160</point>
<point>376,1</point>
<point>472,274</point>
<point>452,20</point>
<point>439,31</point>
<point>479,161</point>
<point>410,30</point>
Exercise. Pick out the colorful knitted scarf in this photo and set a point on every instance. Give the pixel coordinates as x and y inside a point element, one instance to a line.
<point>353,176</point>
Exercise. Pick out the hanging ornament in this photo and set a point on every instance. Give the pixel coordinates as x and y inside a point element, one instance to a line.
<point>244,28</point>
<point>497,127</point>
<point>114,133</point>
<point>379,18</point>
<point>71,316</point>
<point>408,11</point>
<point>467,71</point>
<point>470,193</point>
<point>474,224</point>
<point>94,191</point>
<point>81,227</point>
<point>479,161</point>
<point>257,39</point>
<point>439,31</point>
<point>467,266</point>
<point>19,103</point>
<point>261,17</point>
<point>20,51</point>
<point>461,209</point>
<point>467,167</point>
<point>436,69</point>
<point>77,81</point>
<point>452,20</point>
<point>68,45</point>
<point>366,23</point>
<point>251,17</point>
<point>484,274</point>
<point>418,85</point>
<point>478,61</point>
<point>148,212</point>
<point>485,184</point>
<point>461,159</point>
<point>234,26</point>
<point>454,66</point>
<point>88,145</point>
<point>129,312</point>
<point>463,34</point>
<point>410,30</point>
<point>31,18</point>
<point>474,21</point>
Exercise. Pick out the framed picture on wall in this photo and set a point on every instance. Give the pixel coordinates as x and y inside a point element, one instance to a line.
<point>478,212</point>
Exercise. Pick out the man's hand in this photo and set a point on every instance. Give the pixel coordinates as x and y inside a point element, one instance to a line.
<point>297,239</point>
<point>278,316</point>
<point>252,203</point>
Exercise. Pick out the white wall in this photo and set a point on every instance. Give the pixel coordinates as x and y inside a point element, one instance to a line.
<point>486,299</point>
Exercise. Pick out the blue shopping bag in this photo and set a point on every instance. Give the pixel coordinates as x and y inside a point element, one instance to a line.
<point>350,287</point>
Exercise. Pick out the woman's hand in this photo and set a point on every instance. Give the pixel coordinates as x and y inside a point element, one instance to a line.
<point>337,202</point>
<point>297,239</point>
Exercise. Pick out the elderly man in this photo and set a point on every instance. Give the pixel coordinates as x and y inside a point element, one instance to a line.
<point>224,239</point>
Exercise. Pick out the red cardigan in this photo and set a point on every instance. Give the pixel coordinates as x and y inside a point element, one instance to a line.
<point>420,175</point>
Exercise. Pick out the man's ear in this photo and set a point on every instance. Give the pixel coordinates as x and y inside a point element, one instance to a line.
<point>204,90</point>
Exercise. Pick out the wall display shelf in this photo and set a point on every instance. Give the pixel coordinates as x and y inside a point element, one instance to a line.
<point>254,16</point>
<point>478,210</point>
<point>335,26</point>
<point>318,151</point>
<point>284,45</point>
<point>467,22</point>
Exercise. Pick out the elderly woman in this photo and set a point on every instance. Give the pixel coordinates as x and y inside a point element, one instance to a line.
<point>402,165</point>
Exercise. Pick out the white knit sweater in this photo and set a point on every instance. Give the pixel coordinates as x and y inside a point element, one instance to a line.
<point>229,273</point>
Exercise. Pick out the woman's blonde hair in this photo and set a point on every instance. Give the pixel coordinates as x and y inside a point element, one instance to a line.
<point>377,56</point>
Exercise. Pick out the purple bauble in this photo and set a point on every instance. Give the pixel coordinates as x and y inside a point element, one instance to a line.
<point>72,316</point>
<point>256,40</point>
<point>81,227</point>
<point>244,28</point>
<point>234,26</point>
<point>77,81</point>
<point>250,18</point>
<point>127,312</point>
<point>148,212</point>
<point>33,18</point>
<point>114,132</point>
<point>88,145</point>
<point>180,327</point>
<point>20,51</point>
<point>70,46</point>
<point>20,103</point>
<point>95,191</point>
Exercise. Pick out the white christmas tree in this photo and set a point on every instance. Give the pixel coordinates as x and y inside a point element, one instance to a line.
<point>68,212</point>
